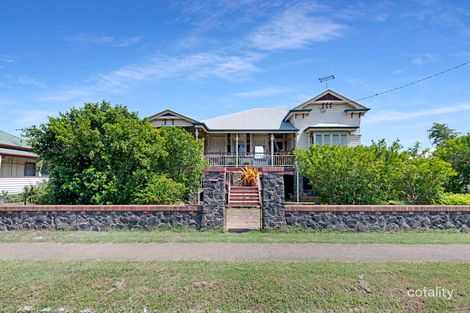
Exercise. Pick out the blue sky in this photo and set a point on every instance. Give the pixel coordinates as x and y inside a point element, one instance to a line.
<point>208,58</point>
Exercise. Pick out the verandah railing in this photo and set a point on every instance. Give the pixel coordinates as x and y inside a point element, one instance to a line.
<point>250,159</point>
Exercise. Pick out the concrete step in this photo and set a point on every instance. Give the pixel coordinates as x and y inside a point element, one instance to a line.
<point>244,200</point>
<point>244,204</point>
<point>240,198</point>
<point>244,188</point>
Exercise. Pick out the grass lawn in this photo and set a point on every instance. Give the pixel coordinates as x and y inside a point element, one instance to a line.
<point>230,286</point>
<point>187,235</point>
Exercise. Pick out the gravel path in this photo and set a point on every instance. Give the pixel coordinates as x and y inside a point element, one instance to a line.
<point>236,252</point>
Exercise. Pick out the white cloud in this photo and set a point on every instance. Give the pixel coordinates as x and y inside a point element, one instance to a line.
<point>224,14</point>
<point>18,81</point>
<point>424,59</point>
<point>193,66</point>
<point>25,118</point>
<point>91,38</point>
<point>387,116</point>
<point>7,58</point>
<point>28,80</point>
<point>262,92</point>
<point>294,28</point>
<point>441,13</point>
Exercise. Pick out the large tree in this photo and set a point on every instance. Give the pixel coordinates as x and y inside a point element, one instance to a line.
<point>440,133</point>
<point>456,151</point>
<point>104,154</point>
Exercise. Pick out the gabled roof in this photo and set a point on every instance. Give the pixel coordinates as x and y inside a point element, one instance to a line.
<point>169,114</point>
<point>260,119</point>
<point>264,119</point>
<point>331,96</point>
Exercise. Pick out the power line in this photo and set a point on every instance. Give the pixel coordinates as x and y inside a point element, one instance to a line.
<point>415,82</point>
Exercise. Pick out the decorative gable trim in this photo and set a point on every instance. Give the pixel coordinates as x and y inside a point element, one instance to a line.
<point>169,114</point>
<point>330,97</point>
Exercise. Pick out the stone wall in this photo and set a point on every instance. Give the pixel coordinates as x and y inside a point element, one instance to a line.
<point>97,221</point>
<point>214,199</point>
<point>273,200</point>
<point>381,220</point>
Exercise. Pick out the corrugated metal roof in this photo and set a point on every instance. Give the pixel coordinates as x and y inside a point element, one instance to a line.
<point>12,140</point>
<point>14,152</point>
<point>254,119</point>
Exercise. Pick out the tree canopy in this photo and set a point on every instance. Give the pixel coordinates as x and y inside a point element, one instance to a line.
<point>104,154</point>
<point>456,151</point>
<point>454,148</point>
<point>440,133</point>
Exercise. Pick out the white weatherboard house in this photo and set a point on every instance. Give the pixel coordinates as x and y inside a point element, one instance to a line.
<point>17,164</point>
<point>266,137</point>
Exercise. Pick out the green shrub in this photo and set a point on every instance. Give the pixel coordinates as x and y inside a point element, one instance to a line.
<point>7,198</point>
<point>34,194</point>
<point>160,190</point>
<point>374,174</point>
<point>422,179</point>
<point>455,199</point>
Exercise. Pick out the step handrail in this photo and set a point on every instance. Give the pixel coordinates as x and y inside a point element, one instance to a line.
<point>258,184</point>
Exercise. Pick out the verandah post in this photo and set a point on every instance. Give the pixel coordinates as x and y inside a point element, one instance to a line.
<point>236,151</point>
<point>272,149</point>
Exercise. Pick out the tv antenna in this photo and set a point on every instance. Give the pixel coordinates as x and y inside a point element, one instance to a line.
<point>326,79</point>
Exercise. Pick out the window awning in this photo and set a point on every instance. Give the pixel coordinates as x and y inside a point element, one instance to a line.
<point>330,127</point>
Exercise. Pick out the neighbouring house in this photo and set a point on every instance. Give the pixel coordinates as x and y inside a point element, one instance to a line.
<point>18,165</point>
<point>266,137</point>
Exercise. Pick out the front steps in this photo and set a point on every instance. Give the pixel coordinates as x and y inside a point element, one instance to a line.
<point>242,196</point>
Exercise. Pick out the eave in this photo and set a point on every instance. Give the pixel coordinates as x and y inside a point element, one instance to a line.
<point>275,131</point>
<point>332,128</point>
<point>22,148</point>
<point>357,110</point>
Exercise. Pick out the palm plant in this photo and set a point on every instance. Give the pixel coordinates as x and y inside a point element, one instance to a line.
<point>249,176</point>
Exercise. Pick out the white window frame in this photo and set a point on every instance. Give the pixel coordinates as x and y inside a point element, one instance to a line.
<point>313,139</point>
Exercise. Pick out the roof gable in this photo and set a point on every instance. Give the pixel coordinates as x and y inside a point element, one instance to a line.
<point>328,96</point>
<point>332,97</point>
<point>169,114</point>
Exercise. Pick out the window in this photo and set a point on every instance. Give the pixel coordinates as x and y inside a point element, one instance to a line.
<point>29,169</point>
<point>335,139</point>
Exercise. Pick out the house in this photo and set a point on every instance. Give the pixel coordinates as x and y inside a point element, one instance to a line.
<point>266,137</point>
<point>18,165</point>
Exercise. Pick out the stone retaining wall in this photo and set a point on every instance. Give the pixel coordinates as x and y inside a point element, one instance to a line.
<point>379,218</point>
<point>273,201</point>
<point>214,198</point>
<point>98,218</point>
